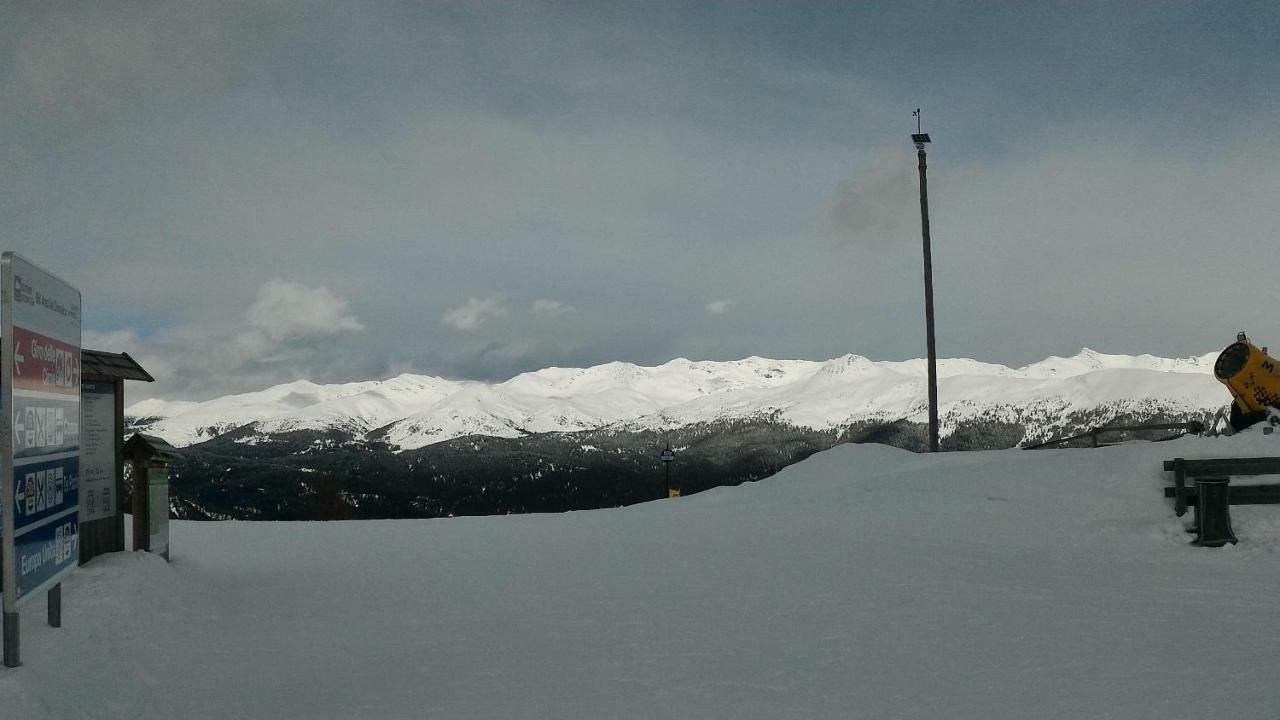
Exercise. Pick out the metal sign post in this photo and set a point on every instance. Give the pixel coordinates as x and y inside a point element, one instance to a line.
<point>39,439</point>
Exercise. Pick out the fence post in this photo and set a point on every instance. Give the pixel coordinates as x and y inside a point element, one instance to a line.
<point>1179,488</point>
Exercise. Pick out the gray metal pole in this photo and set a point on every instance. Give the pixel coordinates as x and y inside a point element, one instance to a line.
<point>8,553</point>
<point>11,658</point>
<point>928,305</point>
<point>55,606</point>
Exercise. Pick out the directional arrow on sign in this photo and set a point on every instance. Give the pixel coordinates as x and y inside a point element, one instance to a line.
<point>18,359</point>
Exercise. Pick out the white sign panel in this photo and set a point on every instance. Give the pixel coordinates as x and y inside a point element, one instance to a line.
<point>158,512</point>
<point>97,450</point>
<point>40,428</point>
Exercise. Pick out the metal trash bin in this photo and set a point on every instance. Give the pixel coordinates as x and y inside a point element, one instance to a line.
<point>1213,512</point>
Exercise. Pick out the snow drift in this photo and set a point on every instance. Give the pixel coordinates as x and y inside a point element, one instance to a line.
<point>864,582</point>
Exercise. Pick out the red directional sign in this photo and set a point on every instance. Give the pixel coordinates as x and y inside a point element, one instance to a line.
<point>42,364</point>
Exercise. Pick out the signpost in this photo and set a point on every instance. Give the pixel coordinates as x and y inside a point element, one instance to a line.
<point>150,457</point>
<point>666,457</point>
<point>102,376</point>
<point>39,438</point>
<point>158,511</point>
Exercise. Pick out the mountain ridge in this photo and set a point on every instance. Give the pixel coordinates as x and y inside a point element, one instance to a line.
<point>412,410</point>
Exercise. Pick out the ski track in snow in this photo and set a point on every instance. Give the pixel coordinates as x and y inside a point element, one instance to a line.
<point>864,582</point>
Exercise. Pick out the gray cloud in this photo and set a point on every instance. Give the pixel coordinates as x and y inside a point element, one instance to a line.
<point>1093,180</point>
<point>880,206</point>
<point>82,64</point>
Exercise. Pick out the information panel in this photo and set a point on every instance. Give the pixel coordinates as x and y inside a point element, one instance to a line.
<point>40,447</point>
<point>97,450</point>
<point>158,510</point>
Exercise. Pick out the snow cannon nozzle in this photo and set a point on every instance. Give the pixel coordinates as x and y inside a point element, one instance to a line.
<point>1231,360</point>
<point>1253,379</point>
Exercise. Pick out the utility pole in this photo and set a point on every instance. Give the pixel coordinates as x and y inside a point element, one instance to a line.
<point>921,139</point>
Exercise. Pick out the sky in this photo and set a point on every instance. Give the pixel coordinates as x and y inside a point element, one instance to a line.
<point>251,193</point>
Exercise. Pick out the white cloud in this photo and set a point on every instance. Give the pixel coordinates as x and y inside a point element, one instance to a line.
<point>551,308</point>
<point>474,313</point>
<point>719,307</point>
<point>288,310</point>
<point>283,335</point>
<point>117,341</point>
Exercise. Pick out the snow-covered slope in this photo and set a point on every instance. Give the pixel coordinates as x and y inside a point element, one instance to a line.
<point>864,582</point>
<point>416,410</point>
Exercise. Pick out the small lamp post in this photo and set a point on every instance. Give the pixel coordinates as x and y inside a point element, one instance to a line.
<point>666,457</point>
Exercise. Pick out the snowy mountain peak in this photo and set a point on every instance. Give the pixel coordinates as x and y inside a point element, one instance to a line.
<point>1088,360</point>
<point>848,363</point>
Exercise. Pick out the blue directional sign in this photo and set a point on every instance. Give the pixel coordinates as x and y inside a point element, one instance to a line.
<point>44,553</point>
<point>44,489</point>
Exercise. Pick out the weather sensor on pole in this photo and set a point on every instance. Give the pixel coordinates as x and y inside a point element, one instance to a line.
<point>919,138</point>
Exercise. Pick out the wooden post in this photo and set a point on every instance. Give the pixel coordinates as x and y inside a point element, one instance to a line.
<point>1179,487</point>
<point>141,534</point>
<point>119,484</point>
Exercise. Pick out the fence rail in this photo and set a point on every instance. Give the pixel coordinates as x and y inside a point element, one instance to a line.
<point>1194,427</point>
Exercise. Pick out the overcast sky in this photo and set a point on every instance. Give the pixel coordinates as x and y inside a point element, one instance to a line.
<point>249,193</point>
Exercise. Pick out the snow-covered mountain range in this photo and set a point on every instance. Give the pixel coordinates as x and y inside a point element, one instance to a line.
<point>412,411</point>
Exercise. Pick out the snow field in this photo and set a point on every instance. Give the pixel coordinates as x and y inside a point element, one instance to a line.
<point>864,582</point>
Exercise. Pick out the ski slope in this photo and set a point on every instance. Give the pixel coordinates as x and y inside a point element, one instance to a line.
<point>864,582</point>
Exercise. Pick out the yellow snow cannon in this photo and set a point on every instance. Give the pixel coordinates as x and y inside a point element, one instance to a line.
<point>1253,378</point>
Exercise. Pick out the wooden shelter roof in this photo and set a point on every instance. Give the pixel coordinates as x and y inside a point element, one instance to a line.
<point>114,366</point>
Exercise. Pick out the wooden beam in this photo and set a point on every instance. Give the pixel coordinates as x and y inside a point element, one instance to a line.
<point>1240,494</point>
<point>1227,466</point>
